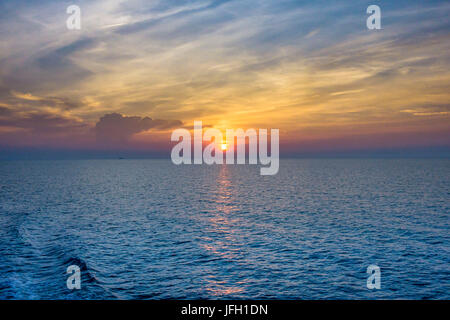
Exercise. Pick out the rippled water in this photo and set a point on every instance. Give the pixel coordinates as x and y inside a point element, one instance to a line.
<point>147,229</point>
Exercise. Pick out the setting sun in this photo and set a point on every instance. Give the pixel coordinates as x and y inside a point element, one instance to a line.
<point>224,146</point>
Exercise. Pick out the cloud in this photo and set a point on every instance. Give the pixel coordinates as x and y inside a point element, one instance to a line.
<point>429,110</point>
<point>4,111</point>
<point>28,102</point>
<point>52,129</point>
<point>312,33</point>
<point>41,128</point>
<point>114,128</point>
<point>58,58</point>
<point>25,96</point>
<point>40,122</point>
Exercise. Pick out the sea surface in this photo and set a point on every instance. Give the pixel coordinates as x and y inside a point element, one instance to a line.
<point>147,229</point>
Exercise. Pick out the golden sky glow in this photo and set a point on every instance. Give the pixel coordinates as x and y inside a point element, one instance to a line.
<point>312,70</point>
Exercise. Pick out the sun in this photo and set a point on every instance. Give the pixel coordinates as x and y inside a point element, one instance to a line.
<point>224,146</point>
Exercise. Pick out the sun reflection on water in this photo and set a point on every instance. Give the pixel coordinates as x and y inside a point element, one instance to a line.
<point>224,243</point>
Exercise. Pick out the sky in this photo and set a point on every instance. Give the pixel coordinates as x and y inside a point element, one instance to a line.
<point>139,69</point>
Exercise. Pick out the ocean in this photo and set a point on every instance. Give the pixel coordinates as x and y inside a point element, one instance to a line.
<point>147,229</point>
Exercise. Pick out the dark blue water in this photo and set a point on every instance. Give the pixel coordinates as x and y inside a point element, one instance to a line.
<point>147,229</point>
